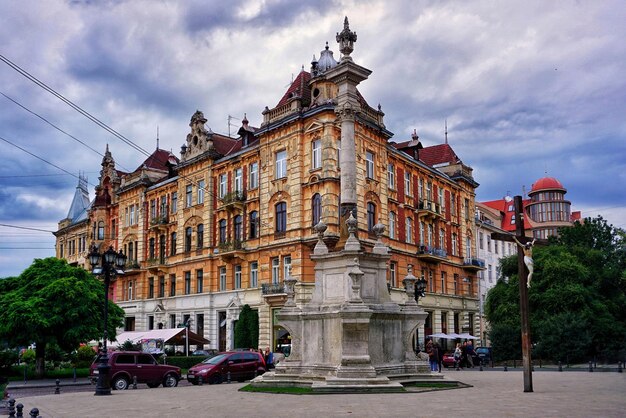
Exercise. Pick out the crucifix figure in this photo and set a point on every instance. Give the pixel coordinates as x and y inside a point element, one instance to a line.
<point>528,258</point>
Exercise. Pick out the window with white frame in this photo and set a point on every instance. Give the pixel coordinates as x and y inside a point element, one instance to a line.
<point>237,276</point>
<point>454,244</point>
<point>392,225</point>
<point>422,228</point>
<point>275,270</point>
<point>316,154</point>
<point>239,180</point>
<point>371,216</point>
<point>407,184</point>
<point>391,176</point>
<point>420,188</point>
<point>316,208</point>
<point>281,164</point>
<point>188,195</point>
<point>441,205</point>
<point>430,235</point>
<point>223,278</point>
<point>468,247</point>
<point>201,189</point>
<point>286,266</point>
<point>393,281</point>
<point>409,230</point>
<point>253,176</point>
<point>174,207</point>
<point>369,167</point>
<point>254,274</point>
<point>223,185</point>
<point>442,238</point>
<point>443,282</point>
<point>429,191</point>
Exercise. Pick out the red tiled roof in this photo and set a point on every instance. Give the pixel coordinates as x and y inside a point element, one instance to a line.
<point>503,206</point>
<point>298,88</point>
<point>225,145</point>
<point>438,154</point>
<point>157,160</point>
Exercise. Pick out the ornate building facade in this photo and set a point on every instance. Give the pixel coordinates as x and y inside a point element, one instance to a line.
<point>225,223</point>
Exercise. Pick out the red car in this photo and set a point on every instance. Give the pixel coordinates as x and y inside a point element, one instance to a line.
<point>448,359</point>
<point>233,365</point>
<point>125,365</point>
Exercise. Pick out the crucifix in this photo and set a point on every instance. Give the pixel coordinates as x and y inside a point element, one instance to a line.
<point>525,271</point>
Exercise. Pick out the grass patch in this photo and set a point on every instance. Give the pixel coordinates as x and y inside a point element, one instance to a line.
<point>432,385</point>
<point>288,390</point>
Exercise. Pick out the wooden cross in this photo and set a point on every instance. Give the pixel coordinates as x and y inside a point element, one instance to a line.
<point>524,250</point>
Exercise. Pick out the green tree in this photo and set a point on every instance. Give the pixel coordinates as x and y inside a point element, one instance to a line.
<point>53,302</point>
<point>577,302</point>
<point>247,328</point>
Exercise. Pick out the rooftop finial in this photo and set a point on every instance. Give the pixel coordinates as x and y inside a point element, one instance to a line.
<point>157,136</point>
<point>446,130</point>
<point>346,40</point>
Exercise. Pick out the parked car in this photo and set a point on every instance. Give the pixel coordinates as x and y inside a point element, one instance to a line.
<point>448,359</point>
<point>485,354</point>
<point>238,365</point>
<point>125,365</point>
<point>205,353</point>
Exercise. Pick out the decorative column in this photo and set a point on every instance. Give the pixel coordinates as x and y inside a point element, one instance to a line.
<point>347,75</point>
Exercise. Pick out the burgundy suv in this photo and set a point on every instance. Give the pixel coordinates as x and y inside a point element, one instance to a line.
<point>127,364</point>
<point>236,365</point>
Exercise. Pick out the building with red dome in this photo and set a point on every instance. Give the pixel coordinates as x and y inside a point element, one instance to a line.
<point>546,209</point>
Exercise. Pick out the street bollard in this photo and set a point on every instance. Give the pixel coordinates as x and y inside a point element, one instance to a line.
<point>20,410</point>
<point>619,367</point>
<point>590,366</point>
<point>560,366</point>
<point>505,367</point>
<point>11,408</point>
<point>228,377</point>
<point>34,413</point>
<point>134,382</point>
<point>57,388</point>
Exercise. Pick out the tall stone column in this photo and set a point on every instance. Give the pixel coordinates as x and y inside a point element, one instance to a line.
<point>347,75</point>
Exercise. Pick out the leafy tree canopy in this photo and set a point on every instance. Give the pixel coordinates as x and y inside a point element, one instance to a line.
<point>577,302</point>
<point>53,302</point>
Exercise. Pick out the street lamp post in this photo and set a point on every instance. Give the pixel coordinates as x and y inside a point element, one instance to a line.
<point>111,265</point>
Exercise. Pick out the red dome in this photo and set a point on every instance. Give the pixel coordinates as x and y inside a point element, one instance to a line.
<point>547,183</point>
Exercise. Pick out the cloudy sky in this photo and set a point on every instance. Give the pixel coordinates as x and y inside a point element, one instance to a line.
<point>527,88</point>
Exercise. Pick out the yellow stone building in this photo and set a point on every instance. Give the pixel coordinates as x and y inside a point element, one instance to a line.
<point>224,224</point>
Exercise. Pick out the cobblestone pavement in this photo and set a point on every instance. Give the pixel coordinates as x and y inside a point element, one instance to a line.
<point>493,394</point>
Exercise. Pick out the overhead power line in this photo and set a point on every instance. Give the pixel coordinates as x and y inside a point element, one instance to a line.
<point>72,105</point>
<point>39,158</point>
<point>26,227</point>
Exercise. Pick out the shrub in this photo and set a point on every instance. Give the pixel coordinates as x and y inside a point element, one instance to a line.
<point>7,359</point>
<point>28,356</point>
<point>84,356</point>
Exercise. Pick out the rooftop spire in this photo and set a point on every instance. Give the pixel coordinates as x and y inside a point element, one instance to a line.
<point>157,136</point>
<point>346,40</point>
<point>446,130</point>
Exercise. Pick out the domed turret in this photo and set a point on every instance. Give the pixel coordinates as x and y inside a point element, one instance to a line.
<point>326,61</point>
<point>547,183</point>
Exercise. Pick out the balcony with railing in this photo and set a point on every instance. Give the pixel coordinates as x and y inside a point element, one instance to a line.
<point>474,263</point>
<point>272,288</point>
<point>230,249</point>
<point>429,253</point>
<point>429,209</point>
<point>159,222</point>
<point>233,200</point>
<point>155,264</point>
<point>132,265</point>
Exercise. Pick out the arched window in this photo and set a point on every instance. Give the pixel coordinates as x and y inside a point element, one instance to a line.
<point>101,230</point>
<point>316,208</point>
<point>392,225</point>
<point>200,235</point>
<point>222,229</point>
<point>237,229</point>
<point>188,239</point>
<point>254,224</point>
<point>371,216</point>
<point>281,217</point>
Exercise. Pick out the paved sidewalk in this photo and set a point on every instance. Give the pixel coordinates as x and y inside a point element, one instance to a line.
<point>494,393</point>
